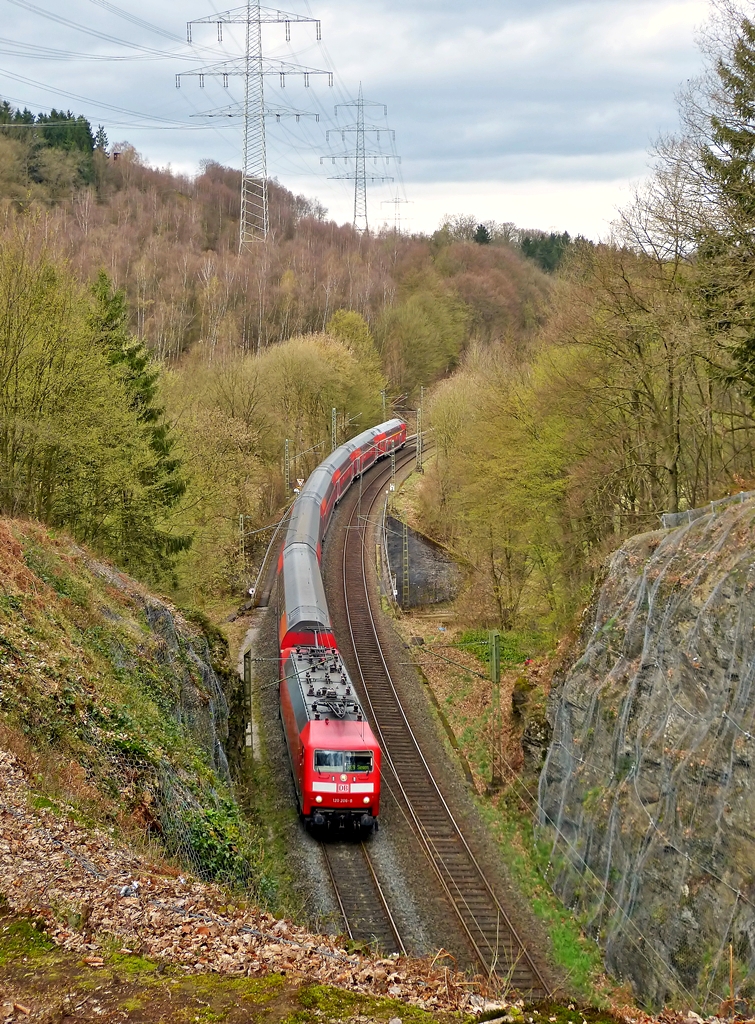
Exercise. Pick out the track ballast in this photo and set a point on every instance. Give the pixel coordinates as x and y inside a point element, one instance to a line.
<point>492,936</point>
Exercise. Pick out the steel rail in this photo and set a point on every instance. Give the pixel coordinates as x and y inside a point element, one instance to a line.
<point>384,901</point>
<point>337,891</point>
<point>489,961</point>
<point>366,915</point>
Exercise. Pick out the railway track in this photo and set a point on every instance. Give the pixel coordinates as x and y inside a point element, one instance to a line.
<point>491,934</point>
<point>360,896</point>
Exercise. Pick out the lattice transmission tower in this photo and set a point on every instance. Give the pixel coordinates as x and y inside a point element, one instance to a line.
<point>397,202</point>
<point>361,155</point>
<point>253,67</point>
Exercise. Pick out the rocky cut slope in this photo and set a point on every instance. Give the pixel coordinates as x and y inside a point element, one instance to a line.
<point>647,796</point>
<point>115,702</point>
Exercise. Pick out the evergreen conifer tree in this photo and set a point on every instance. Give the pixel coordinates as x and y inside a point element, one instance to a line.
<point>726,243</point>
<point>165,482</point>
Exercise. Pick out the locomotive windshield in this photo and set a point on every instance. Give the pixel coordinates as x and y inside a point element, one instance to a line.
<point>343,760</point>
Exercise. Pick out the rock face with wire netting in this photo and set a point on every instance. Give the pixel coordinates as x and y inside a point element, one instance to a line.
<point>647,796</point>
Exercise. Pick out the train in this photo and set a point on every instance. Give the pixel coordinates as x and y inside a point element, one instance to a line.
<point>335,757</point>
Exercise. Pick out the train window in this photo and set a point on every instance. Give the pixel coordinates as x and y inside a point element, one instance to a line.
<point>343,760</point>
<point>357,761</point>
<point>328,760</point>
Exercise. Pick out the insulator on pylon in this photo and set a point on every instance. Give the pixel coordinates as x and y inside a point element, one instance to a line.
<point>288,31</point>
<point>283,80</point>
<point>330,78</point>
<point>225,81</point>
<point>201,81</point>
<point>319,30</point>
<point>178,81</point>
<point>220,31</point>
<point>306,80</point>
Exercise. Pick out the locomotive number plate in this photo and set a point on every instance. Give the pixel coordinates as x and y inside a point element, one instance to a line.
<point>343,787</point>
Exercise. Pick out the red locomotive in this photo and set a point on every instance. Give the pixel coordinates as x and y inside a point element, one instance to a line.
<point>334,754</point>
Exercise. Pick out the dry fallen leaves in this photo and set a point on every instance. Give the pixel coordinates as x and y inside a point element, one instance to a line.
<point>47,860</point>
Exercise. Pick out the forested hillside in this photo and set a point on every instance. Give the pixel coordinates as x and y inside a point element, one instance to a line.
<point>151,375</point>
<point>637,398</point>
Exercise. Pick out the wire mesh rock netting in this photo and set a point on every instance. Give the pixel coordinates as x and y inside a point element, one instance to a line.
<point>646,796</point>
<point>669,520</point>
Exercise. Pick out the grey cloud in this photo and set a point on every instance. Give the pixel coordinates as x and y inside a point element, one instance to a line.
<point>504,89</point>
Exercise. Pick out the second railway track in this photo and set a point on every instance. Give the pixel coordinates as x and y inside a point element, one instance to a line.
<point>491,934</point>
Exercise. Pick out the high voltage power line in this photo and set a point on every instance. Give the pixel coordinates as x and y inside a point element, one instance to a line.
<point>252,67</point>
<point>360,176</point>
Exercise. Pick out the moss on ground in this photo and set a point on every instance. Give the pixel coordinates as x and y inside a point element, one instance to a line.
<point>324,1001</point>
<point>128,986</point>
<point>23,939</point>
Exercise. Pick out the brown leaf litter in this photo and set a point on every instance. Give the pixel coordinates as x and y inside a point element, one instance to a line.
<point>89,887</point>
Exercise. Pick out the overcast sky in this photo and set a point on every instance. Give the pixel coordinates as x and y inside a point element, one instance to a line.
<point>533,111</point>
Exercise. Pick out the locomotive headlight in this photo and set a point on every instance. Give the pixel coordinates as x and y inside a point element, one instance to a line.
<point>318,799</point>
<point>366,800</point>
<point>344,778</point>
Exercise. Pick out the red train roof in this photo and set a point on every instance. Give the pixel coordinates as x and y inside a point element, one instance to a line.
<point>337,734</point>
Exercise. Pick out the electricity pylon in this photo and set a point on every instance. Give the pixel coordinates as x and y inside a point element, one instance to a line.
<point>253,67</point>
<point>396,202</point>
<point>360,176</point>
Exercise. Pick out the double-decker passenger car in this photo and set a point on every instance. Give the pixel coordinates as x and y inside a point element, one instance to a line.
<point>334,755</point>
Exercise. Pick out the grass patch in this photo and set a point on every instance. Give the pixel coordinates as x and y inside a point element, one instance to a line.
<point>527,859</point>
<point>43,803</point>
<point>516,645</point>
